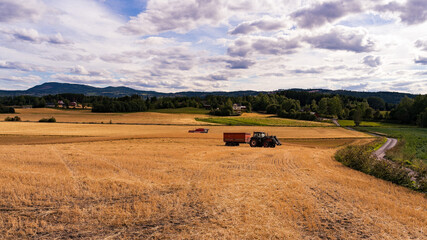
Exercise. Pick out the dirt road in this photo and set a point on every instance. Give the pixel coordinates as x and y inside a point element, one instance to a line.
<point>389,144</point>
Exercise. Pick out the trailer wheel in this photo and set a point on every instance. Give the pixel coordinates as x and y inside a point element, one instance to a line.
<point>253,143</point>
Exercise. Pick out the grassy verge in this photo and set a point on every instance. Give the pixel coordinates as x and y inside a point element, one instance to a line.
<point>248,121</point>
<point>378,143</point>
<point>187,110</point>
<point>360,158</point>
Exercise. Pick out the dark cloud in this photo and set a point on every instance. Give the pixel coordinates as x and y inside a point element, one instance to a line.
<point>326,12</point>
<point>33,36</point>
<point>268,46</point>
<point>165,63</point>
<point>407,83</point>
<point>16,10</point>
<point>30,35</point>
<point>356,87</point>
<point>260,25</point>
<point>273,75</point>
<point>372,61</point>
<point>217,77</point>
<point>307,71</point>
<point>421,60</point>
<point>240,63</point>
<point>341,38</point>
<point>411,12</point>
<point>422,44</point>
<point>238,51</point>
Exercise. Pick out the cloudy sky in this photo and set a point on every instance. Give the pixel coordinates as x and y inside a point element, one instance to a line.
<point>211,45</point>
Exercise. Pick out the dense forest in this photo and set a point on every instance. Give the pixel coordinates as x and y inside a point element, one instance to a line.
<point>288,104</point>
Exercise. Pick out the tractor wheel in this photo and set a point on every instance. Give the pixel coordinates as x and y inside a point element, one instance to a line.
<point>266,144</point>
<point>253,143</point>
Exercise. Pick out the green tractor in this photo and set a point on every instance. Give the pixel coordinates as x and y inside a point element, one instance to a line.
<point>260,139</point>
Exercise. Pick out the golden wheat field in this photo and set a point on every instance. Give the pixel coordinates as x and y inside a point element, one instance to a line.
<point>148,118</point>
<point>86,116</point>
<point>111,181</point>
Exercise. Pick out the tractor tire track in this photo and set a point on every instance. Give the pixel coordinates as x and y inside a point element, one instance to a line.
<point>102,158</point>
<point>77,183</point>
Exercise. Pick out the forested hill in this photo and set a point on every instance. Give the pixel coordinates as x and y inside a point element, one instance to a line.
<point>53,88</point>
<point>388,97</point>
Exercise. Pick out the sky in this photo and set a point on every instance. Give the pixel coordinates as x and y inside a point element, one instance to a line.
<point>215,45</point>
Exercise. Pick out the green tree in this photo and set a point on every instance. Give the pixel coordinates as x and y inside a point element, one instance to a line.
<point>313,105</point>
<point>357,117</point>
<point>378,115</point>
<point>369,113</point>
<point>334,106</point>
<point>376,103</point>
<point>403,110</point>
<point>422,119</point>
<point>323,106</point>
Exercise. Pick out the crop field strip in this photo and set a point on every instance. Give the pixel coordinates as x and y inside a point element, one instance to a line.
<point>139,181</point>
<point>194,187</point>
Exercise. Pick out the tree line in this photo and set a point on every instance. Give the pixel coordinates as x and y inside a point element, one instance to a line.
<point>288,104</point>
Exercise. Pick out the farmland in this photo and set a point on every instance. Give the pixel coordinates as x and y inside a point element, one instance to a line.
<point>413,142</point>
<point>86,116</point>
<point>256,120</point>
<point>69,180</point>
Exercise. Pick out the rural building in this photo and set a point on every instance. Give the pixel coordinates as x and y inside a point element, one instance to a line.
<point>238,108</point>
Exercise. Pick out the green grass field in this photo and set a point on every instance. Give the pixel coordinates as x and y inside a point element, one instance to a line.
<point>412,142</point>
<point>187,110</point>
<point>268,121</point>
<point>350,123</point>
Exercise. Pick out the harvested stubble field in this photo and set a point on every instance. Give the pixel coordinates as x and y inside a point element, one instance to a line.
<point>86,116</point>
<point>175,118</point>
<point>162,182</point>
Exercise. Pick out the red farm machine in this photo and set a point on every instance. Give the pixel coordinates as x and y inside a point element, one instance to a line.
<point>199,130</point>
<point>259,139</point>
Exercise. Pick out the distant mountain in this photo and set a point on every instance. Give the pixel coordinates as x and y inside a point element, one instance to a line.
<point>58,88</point>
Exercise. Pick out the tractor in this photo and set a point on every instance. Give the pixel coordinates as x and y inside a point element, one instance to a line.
<point>260,139</point>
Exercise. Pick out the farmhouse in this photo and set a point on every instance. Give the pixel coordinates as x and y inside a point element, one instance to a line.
<point>239,108</point>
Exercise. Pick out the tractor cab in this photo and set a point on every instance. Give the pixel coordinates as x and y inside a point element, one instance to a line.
<point>259,135</point>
